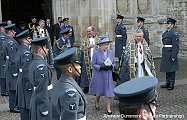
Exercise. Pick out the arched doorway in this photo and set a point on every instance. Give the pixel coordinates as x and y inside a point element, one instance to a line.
<point>17,10</point>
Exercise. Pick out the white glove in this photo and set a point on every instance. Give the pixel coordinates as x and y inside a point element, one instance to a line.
<point>45,113</point>
<point>173,59</point>
<point>16,74</point>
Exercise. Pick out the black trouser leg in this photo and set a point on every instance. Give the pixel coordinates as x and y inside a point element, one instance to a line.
<point>167,78</point>
<point>172,78</point>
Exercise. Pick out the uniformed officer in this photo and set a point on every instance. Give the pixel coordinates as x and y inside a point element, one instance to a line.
<point>2,61</point>
<point>23,59</point>
<point>140,21</point>
<point>72,36</point>
<point>68,99</point>
<point>60,46</point>
<point>169,61</point>
<point>121,37</point>
<point>40,76</point>
<point>32,26</point>
<point>137,98</point>
<point>10,48</point>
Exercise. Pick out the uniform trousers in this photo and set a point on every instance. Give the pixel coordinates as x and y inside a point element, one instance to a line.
<point>12,99</point>
<point>24,113</point>
<point>170,78</point>
<point>3,85</point>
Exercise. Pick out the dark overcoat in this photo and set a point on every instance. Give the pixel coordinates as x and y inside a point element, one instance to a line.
<point>170,37</point>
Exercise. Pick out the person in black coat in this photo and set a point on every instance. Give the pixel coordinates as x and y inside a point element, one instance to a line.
<point>57,29</point>
<point>169,61</point>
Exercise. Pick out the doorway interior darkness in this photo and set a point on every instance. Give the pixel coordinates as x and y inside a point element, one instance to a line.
<point>17,10</point>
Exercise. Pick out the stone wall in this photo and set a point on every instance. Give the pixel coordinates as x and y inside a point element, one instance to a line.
<point>102,13</point>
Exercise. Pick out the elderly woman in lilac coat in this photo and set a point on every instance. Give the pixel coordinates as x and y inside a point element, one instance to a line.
<point>102,81</point>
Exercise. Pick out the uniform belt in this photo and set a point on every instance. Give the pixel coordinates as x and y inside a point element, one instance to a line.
<point>118,35</point>
<point>83,118</point>
<point>7,57</point>
<point>20,70</point>
<point>167,46</point>
<point>48,87</point>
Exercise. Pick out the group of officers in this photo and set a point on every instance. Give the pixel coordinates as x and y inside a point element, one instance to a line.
<point>28,78</point>
<point>170,41</point>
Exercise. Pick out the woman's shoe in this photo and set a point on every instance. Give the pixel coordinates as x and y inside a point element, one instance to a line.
<point>97,108</point>
<point>109,113</point>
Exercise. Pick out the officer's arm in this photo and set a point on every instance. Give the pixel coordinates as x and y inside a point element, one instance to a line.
<point>146,36</point>
<point>26,60</point>
<point>41,77</point>
<point>175,46</point>
<point>12,49</point>
<point>69,104</point>
<point>124,32</point>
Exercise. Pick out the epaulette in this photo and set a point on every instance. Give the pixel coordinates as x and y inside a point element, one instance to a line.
<point>71,93</point>
<point>27,53</point>
<point>40,66</point>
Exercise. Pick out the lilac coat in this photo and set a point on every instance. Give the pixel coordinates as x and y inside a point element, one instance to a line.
<point>102,81</point>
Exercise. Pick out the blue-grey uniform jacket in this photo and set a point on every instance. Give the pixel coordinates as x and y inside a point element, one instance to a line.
<point>2,55</point>
<point>169,61</point>
<point>40,77</point>
<point>24,87</point>
<point>145,34</point>
<point>68,100</point>
<point>72,36</point>
<point>120,40</point>
<point>11,70</point>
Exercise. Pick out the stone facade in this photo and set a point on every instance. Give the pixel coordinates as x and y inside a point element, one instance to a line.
<point>102,13</point>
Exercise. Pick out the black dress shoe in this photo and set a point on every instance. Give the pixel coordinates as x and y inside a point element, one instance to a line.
<point>4,94</point>
<point>109,113</point>
<point>165,86</point>
<point>14,111</point>
<point>97,108</point>
<point>171,87</point>
<point>86,90</point>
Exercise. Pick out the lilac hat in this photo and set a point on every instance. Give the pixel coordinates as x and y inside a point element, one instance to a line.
<point>103,40</point>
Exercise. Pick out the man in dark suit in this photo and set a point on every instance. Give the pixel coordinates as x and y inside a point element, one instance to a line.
<point>57,29</point>
<point>49,28</point>
<point>169,62</point>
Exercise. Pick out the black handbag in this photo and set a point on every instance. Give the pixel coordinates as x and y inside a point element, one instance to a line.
<point>115,76</point>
